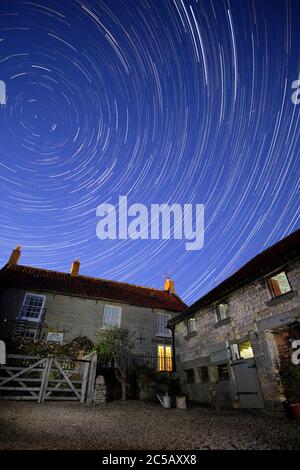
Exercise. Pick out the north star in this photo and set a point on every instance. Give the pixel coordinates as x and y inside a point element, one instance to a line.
<point>119,460</point>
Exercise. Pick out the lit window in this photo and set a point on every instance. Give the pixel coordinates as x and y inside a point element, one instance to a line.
<point>222,311</point>
<point>245,350</point>
<point>164,358</point>
<point>203,374</point>
<point>162,321</point>
<point>112,316</point>
<point>32,307</point>
<point>242,351</point>
<point>190,376</point>
<point>279,284</point>
<point>191,325</point>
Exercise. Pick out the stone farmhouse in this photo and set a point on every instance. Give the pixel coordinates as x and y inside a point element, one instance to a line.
<point>226,347</point>
<point>55,306</point>
<point>230,342</point>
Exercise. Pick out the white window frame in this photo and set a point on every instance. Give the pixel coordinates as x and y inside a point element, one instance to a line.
<point>191,321</point>
<point>105,326</point>
<point>32,319</point>
<point>31,330</point>
<point>219,320</point>
<point>163,331</point>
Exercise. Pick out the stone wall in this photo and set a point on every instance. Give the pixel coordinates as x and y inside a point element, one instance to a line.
<point>76,316</point>
<point>254,315</point>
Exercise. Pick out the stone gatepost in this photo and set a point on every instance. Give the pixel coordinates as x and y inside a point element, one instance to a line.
<point>99,390</point>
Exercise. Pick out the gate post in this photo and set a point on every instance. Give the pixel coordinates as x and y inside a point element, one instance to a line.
<point>92,378</point>
<point>45,379</point>
<point>85,377</point>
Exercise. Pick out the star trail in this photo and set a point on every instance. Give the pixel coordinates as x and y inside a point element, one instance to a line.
<point>164,101</point>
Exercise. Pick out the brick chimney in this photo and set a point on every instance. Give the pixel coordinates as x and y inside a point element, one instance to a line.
<point>15,256</point>
<point>75,268</point>
<point>169,286</point>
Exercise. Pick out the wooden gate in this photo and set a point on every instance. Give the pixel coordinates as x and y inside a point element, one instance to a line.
<point>47,378</point>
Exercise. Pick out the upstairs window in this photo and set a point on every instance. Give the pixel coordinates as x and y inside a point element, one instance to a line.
<point>112,316</point>
<point>161,327</point>
<point>279,284</point>
<point>191,325</point>
<point>32,307</point>
<point>222,311</point>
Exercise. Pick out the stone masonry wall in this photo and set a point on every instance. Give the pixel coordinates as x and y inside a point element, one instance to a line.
<point>76,316</point>
<point>253,314</point>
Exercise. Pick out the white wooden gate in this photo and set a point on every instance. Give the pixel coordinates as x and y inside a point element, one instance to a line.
<point>46,378</point>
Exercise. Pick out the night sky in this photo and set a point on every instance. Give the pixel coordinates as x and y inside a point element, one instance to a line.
<point>164,101</point>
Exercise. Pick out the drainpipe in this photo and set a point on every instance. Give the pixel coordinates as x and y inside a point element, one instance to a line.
<point>173,348</point>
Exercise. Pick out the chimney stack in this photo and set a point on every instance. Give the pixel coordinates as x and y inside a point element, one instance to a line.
<point>15,256</point>
<point>169,286</point>
<point>75,268</point>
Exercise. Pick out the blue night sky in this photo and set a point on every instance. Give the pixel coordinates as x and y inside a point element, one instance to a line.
<point>164,101</point>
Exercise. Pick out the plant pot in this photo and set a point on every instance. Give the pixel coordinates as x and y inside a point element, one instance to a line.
<point>295,411</point>
<point>181,402</point>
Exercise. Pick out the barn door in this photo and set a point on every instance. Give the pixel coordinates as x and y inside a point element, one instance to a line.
<point>247,383</point>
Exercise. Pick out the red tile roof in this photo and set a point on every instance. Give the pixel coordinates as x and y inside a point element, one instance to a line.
<point>283,252</point>
<point>26,277</point>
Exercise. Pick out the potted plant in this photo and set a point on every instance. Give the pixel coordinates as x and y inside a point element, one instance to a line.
<point>290,379</point>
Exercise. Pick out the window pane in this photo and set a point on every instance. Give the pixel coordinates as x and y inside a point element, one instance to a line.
<point>168,358</point>
<point>112,316</point>
<point>191,325</point>
<point>32,307</point>
<point>279,284</point>
<point>164,358</point>
<point>162,321</point>
<point>203,374</point>
<point>245,349</point>
<point>223,372</point>
<point>223,311</point>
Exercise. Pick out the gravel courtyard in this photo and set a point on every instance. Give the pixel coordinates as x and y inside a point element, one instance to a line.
<point>139,425</point>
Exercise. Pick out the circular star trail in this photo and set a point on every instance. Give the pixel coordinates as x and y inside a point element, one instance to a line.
<point>163,101</point>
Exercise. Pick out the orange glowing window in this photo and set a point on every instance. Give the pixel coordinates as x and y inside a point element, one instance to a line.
<point>164,358</point>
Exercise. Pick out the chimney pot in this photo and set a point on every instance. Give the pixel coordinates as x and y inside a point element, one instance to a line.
<point>75,268</point>
<point>169,286</point>
<point>15,256</point>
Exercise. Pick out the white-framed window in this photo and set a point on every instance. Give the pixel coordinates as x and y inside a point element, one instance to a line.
<point>53,337</point>
<point>164,358</point>
<point>112,316</point>
<point>223,311</point>
<point>29,333</point>
<point>32,307</point>
<point>191,325</point>
<point>161,327</point>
